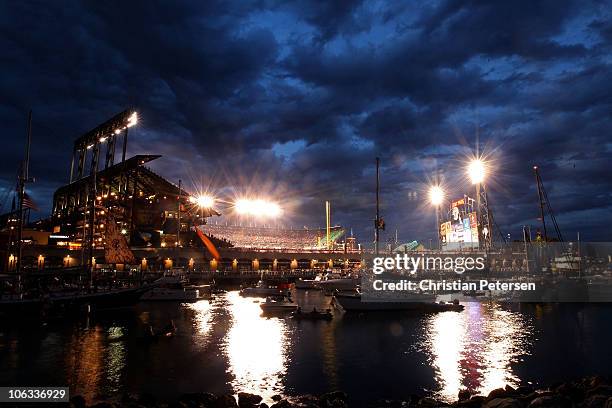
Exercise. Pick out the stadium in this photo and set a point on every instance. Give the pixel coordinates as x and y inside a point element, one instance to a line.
<point>112,198</point>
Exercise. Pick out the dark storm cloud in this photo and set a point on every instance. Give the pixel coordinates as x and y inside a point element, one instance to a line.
<point>296,98</point>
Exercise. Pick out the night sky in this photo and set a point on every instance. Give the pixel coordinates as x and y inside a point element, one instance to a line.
<point>294,100</point>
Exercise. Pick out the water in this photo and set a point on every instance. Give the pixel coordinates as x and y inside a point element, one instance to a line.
<point>226,346</point>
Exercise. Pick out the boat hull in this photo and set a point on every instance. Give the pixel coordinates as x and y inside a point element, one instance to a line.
<point>353,303</point>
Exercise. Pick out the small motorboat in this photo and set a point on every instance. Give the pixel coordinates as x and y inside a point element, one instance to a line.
<point>172,289</point>
<point>278,305</point>
<point>313,315</point>
<point>261,290</point>
<point>335,281</point>
<point>308,283</point>
<point>171,294</point>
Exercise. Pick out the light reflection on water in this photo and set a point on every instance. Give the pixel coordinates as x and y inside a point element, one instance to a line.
<point>474,349</point>
<point>256,348</point>
<point>226,346</point>
<point>202,322</point>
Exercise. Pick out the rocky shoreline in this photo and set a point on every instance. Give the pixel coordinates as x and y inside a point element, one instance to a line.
<point>588,392</point>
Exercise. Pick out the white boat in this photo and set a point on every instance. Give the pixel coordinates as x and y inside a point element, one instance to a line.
<point>421,302</point>
<point>204,291</point>
<point>171,294</point>
<point>333,281</point>
<point>260,290</point>
<point>278,306</point>
<point>308,283</point>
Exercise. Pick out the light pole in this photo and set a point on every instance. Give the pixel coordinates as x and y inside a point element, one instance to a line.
<point>477,172</point>
<point>436,197</point>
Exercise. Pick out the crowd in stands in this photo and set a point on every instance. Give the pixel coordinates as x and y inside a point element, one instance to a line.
<point>269,238</point>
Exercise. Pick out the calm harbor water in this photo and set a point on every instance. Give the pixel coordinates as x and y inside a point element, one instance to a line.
<point>226,346</point>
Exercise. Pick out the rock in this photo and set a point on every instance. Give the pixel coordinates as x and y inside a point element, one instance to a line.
<point>550,401</point>
<point>385,403</point>
<point>336,399</point>
<point>503,403</point>
<point>247,400</point>
<point>608,403</point>
<point>276,398</point>
<point>198,399</point>
<point>263,405</point>
<point>464,395</point>
<point>430,403</point>
<point>595,401</point>
<point>571,391</point>
<point>225,401</point>
<point>497,393</point>
<point>526,399</point>
<point>600,390</point>
<point>595,381</point>
<point>306,401</point>
<point>525,390</point>
<point>475,402</point>
<point>77,402</point>
<point>281,404</point>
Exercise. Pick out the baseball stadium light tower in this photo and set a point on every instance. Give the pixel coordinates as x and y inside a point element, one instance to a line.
<point>203,202</point>
<point>477,173</point>
<point>436,197</point>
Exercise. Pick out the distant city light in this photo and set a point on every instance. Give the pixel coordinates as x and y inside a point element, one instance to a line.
<point>436,195</point>
<point>476,171</point>
<point>259,208</point>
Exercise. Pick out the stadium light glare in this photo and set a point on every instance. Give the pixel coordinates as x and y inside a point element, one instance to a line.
<point>259,208</point>
<point>436,195</point>
<point>476,171</point>
<point>205,201</point>
<point>132,120</point>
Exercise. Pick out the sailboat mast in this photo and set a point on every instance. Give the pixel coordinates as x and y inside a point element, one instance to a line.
<point>377,223</point>
<point>23,178</point>
<point>541,201</point>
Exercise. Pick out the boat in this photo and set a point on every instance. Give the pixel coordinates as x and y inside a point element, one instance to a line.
<point>205,292</point>
<point>334,281</point>
<point>173,288</point>
<point>261,290</point>
<point>278,305</point>
<point>51,304</point>
<point>307,283</point>
<point>171,294</point>
<point>421,302</point>
<point>313,315</point>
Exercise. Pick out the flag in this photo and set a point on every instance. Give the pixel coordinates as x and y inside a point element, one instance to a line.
<point>28,202</point>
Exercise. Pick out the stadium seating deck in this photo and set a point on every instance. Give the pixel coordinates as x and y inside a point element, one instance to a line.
<point>272,238</point>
